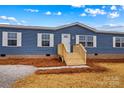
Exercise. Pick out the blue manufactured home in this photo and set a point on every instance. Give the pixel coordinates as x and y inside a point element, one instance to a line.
<point>18,40</point>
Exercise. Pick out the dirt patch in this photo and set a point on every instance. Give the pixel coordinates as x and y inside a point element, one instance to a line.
<point>38,62</point>
<point>92,68</point>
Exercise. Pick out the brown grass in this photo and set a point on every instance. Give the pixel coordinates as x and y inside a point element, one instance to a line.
<point>104,73</point>
<point>38,62</point>
<point>112,78</point>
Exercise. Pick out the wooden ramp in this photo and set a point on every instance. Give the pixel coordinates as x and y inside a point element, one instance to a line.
<point>77,57</point>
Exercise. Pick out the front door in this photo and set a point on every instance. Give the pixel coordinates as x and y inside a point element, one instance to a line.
<point>66,41</point>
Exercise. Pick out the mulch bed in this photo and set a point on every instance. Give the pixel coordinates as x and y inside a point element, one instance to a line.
<point>50,62</point>
<point>90,62</point>
<point>92,68</point>
<point>106,60</point>
<point>71,70</point>
<point>38,62</point>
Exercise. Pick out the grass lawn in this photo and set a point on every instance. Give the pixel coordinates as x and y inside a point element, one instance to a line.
<point>113,77</point>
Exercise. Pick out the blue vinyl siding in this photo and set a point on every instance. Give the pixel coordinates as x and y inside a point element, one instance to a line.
<point>105,45</point>
<point>29,44</point>
<point>29,41</point>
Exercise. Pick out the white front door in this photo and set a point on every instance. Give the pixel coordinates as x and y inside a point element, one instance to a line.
<point>66,41</point>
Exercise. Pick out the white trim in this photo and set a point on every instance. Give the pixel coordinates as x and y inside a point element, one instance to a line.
<point>51,40</point>
<point>4,39</point>
<point>49,28</point>
<point>19,39</point>
<point>77,39</point>
<point>114,42</point>
<point>60,27</point>
<point>39,39</point>
<point>67,43</point>
<point>94,41</point>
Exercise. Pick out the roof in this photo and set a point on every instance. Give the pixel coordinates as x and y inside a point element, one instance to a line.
<point>59,27</point>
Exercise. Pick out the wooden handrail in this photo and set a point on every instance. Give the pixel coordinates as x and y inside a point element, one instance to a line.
<point>62,52</point>
<point>83,47</point>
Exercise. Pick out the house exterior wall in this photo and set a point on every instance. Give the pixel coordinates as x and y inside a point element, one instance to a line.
<point>29,44</point>
<point>105,45</point>
<point>29,41</point>
<point>104,41</point>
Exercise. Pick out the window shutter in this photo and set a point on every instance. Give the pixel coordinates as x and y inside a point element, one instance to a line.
<point>51,40</point>
<point>39,40</point>
<point>19,39</point>
<point>77,39</point>
<point>94,41</point>
<point>114,42</point>
<point>4,39</point>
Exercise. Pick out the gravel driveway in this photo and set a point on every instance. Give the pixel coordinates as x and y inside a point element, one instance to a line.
<point>10,73</point>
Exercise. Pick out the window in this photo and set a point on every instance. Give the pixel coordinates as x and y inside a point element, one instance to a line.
<point>12,39</point>
<point>122,42</point>
<point>87,40</point>
<point>90,41</point>
<point>45,39</point>
<point>82,40</point>
<point>119,42</point>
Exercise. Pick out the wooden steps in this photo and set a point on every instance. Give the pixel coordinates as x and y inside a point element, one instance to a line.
<point>73,55</point>
<point>77,57</point>
<point>74,59</point>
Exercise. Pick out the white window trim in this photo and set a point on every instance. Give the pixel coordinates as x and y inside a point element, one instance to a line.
<point>39,40</point>
<point>114,42</point>
<point>51,40</point>
<point>5,39</point>
<point>94,40</point>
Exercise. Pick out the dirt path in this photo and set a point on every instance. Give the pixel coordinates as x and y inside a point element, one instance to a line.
<point>10,73</point>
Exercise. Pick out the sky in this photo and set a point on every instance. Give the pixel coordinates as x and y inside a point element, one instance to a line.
<point>98,16</point>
